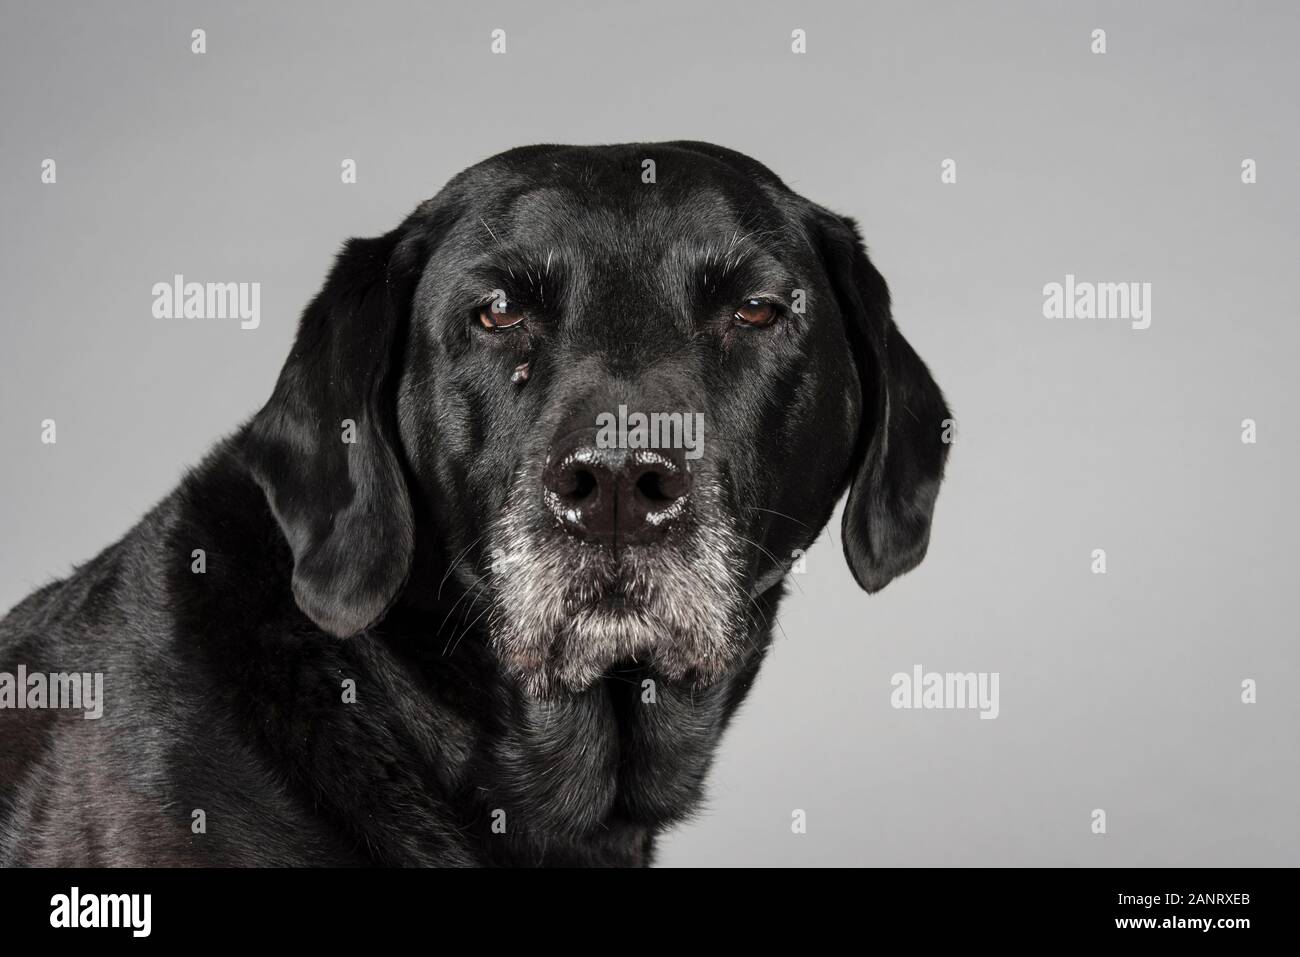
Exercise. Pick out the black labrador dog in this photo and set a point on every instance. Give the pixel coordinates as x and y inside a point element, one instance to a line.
<point>447,599</point>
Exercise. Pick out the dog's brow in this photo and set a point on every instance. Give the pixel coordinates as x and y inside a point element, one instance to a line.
<point>489,229</point>
<point>524,268</point>
<point>735,261</point>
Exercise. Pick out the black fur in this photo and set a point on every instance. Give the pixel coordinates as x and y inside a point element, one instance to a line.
<point>329,561</point>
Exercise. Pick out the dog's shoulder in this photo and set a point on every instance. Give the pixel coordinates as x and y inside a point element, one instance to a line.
<point>131,586</point>
<point>144,618</point>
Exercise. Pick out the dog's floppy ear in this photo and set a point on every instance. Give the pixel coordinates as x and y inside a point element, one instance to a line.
<point>901,451</point>
<point>324,448</point>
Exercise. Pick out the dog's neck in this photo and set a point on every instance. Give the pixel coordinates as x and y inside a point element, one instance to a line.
<point>579,778</point>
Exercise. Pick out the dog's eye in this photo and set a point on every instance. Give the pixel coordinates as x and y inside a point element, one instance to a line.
<point>499,314</point>
<point>756,312</point>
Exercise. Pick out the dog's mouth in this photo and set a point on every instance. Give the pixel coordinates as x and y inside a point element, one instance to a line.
<point>616,605</point>
<point>565,614</point>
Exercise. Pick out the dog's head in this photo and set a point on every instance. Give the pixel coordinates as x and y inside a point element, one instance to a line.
<point>617,389</point>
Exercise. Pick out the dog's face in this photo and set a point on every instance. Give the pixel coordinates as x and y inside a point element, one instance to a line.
<point>620,403</point>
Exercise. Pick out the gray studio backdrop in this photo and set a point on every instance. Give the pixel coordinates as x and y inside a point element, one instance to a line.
<point>1119,692</point>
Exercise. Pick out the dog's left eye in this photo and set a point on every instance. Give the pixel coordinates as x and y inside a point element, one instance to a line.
<point>756,312</point>
<point>499,314</point>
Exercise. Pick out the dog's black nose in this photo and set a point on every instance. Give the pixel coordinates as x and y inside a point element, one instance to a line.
<point>615,496</point>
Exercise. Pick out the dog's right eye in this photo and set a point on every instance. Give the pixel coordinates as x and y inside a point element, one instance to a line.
<point>500,314</point>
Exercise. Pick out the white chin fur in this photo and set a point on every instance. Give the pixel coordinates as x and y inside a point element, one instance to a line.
<point>683,609</point>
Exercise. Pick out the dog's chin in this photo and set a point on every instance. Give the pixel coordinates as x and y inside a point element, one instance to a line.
<point>608,635</point>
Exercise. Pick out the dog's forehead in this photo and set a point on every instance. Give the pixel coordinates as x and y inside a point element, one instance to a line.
<point>606,216</point>
<point>622,170</point>
<point>626,195</point>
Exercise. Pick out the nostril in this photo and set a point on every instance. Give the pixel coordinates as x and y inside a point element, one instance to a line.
<point>583,484</point>
<point>651,486</point>
<point>661,485</point>
<point>572,481</point>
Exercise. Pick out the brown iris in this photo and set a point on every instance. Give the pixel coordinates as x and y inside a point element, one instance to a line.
<point>756,312</point>
<point>500,314</point>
